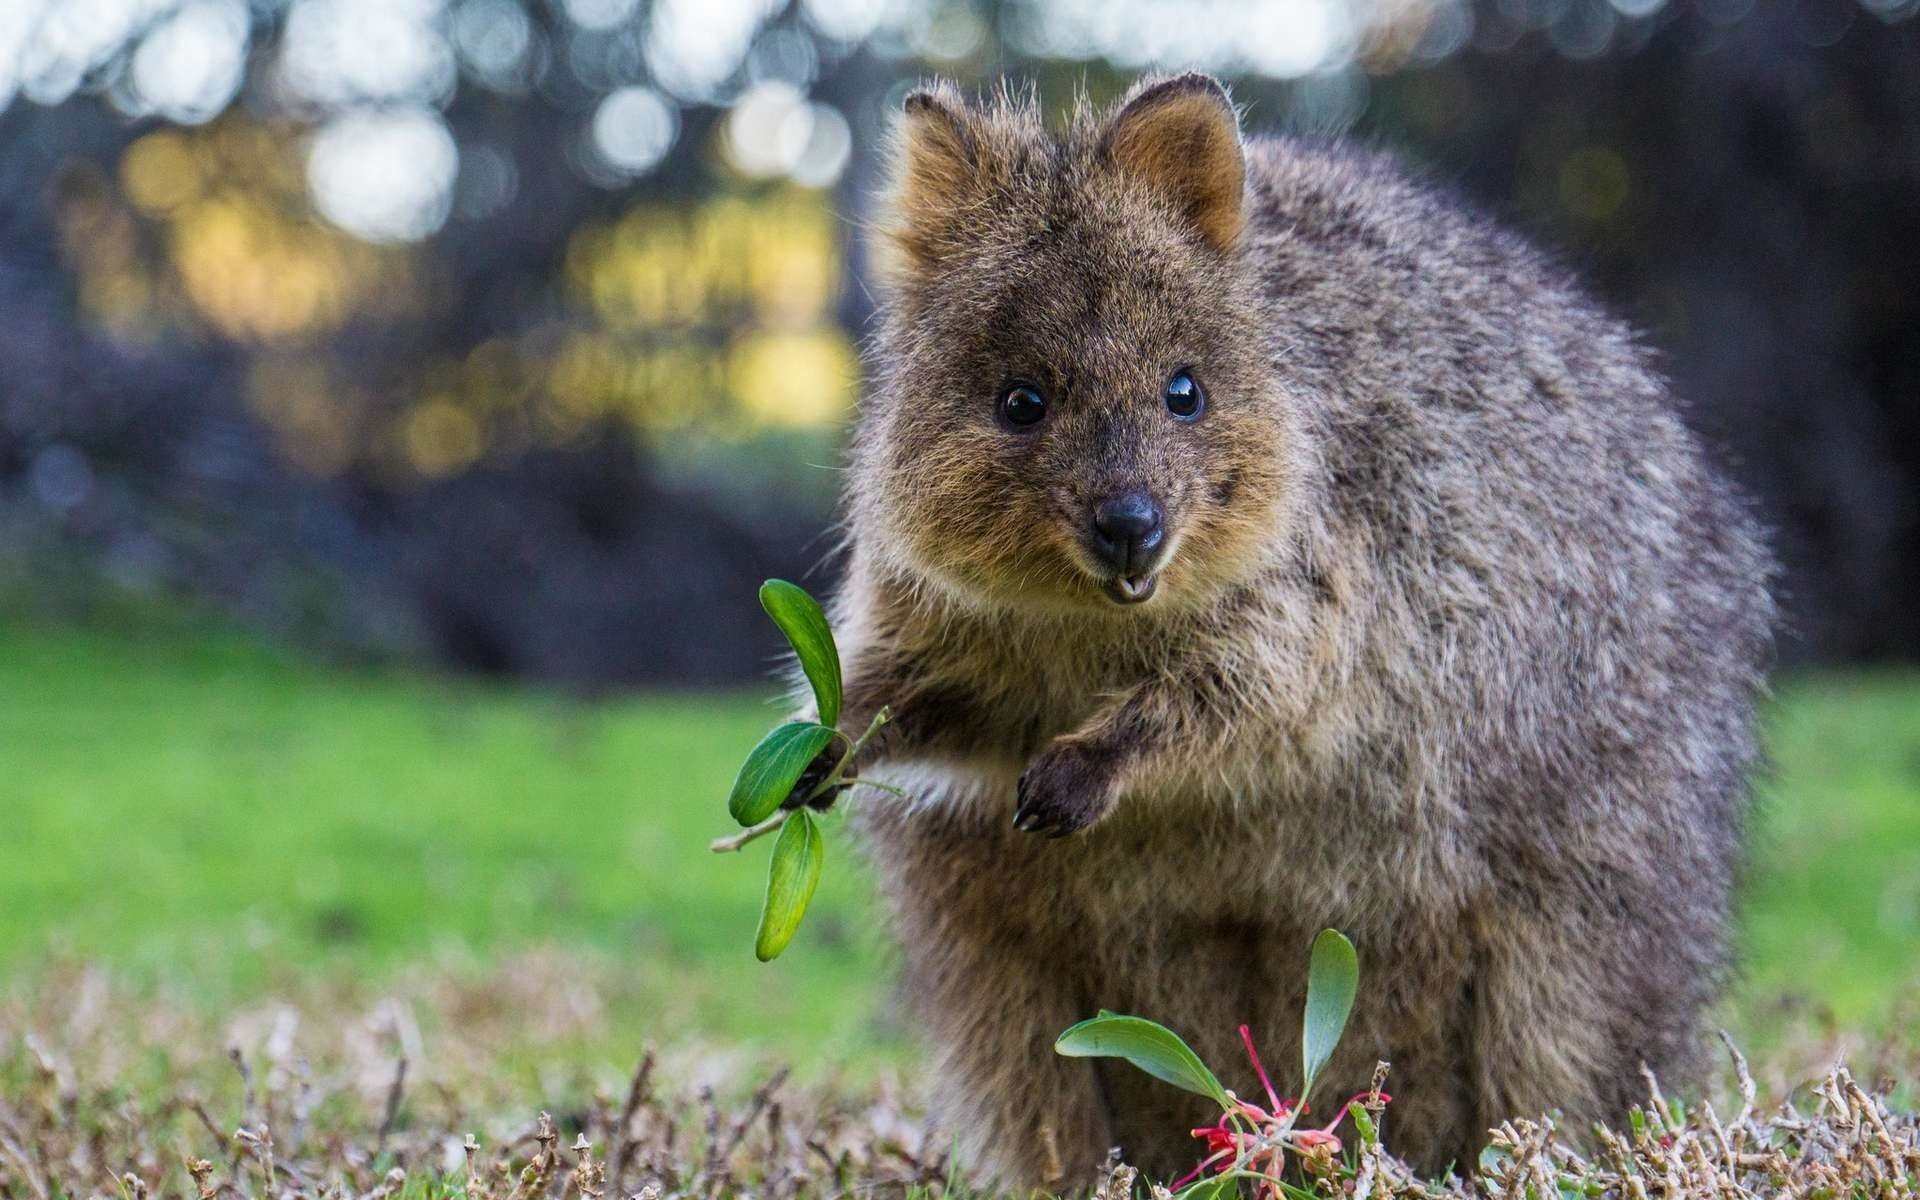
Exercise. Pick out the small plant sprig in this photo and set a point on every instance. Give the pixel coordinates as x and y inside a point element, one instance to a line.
<point>1249,1141</point>
<point>775,767</point>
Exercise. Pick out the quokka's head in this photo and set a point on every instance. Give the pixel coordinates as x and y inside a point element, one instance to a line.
<point>1075,407</point>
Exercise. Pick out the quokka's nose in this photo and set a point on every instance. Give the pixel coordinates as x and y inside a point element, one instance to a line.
<point>1127,529</point>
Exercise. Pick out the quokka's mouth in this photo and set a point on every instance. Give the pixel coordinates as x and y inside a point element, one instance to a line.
<point>1131,589</point>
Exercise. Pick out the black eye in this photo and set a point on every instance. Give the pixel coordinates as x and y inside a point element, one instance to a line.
<point>1022,406</point>
<point>1184,397</point>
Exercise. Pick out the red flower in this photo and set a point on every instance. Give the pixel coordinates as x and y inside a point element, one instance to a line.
<point>1262,1144</point>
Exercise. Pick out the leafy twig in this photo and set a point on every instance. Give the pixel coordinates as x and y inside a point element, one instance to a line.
<point>834,778</point>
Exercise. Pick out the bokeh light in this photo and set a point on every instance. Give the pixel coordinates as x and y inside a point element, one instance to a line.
<point>600,14</point>
<point>384,175</point>
<point>190,64</point>
<point>365,51</point>
<point>773,130</point>
<point>495,41</point>
<point>633,129</point>
<point>694,46</point>
<point>850,20</point>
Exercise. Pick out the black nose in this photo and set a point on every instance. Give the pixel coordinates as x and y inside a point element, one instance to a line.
<point>1127,530</point>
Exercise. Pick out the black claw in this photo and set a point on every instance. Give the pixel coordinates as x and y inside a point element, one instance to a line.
<point>811,778</point>
<point>1034,814</point>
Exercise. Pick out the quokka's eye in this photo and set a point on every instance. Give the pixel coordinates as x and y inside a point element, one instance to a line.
<point>1022,406</point>
<point>1184,398</point>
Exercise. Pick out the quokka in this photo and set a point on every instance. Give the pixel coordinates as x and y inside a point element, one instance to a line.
<point>1248,540</point>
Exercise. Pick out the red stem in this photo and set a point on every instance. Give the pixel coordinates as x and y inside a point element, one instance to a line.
<point>1273,1097</point>
<point>1349,1106</point>
<point>1194,1174</point>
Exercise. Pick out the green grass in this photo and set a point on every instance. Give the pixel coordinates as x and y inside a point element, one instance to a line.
<point>1833,906</point>
<point>208,814</point>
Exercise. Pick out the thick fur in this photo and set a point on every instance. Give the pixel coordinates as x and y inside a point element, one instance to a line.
<point>1457,649</point>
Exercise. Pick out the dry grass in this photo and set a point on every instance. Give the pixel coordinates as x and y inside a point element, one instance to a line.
<point>456,1085</point>
<point>443,1084</point>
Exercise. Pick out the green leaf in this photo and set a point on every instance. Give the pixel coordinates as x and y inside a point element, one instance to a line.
<point>791,878</point>
<point>1333,976</point>
<point>1363,1124</point>
<point>1492,1158</point>
<point>1153,1048</point>
<point>1214,1187</point>
<point>799,617</point>
<point>773,767</point>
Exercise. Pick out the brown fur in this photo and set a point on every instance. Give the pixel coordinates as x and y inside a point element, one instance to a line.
<point>1457,649</point>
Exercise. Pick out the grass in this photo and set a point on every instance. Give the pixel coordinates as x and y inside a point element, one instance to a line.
<point>1833,908</point>
<point>335,1092</point>
<point>409,910</point>
<point>207,815</point>
<point>204,814</point>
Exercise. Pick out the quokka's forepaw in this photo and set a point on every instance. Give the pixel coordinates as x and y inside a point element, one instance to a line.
<point>1065,790</point>
<point>817,770</point>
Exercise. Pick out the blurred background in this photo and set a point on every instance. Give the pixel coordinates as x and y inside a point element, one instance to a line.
<point>520,336</point>
<point>354,349</point>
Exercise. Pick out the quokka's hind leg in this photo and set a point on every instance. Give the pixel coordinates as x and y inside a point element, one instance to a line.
<point>1021,1115</point>
<point>1573,995</point>
<point>992,983</point>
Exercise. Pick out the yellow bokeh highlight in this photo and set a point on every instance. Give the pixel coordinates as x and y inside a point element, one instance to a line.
<point>586,379</point>
<point>253,272</point>
<point>249,277</point>
<point>234,244</point>
<point>773,258</point>
<point>718,317</point>
<point>793,378</point>
<point>439,437</point>
<point>160,172</point>
<point>676,318</point>
<point>678,387</point>
<point>492,375</point>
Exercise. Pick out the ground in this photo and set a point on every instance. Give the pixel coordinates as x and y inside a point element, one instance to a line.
<point>203,835</point>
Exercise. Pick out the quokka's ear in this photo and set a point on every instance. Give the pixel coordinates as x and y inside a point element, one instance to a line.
<point>935,175</point>
<point>1181,136</point>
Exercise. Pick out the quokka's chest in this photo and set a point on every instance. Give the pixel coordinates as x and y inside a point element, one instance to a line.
<point>1051,678</point>
<point>1156,866</point>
